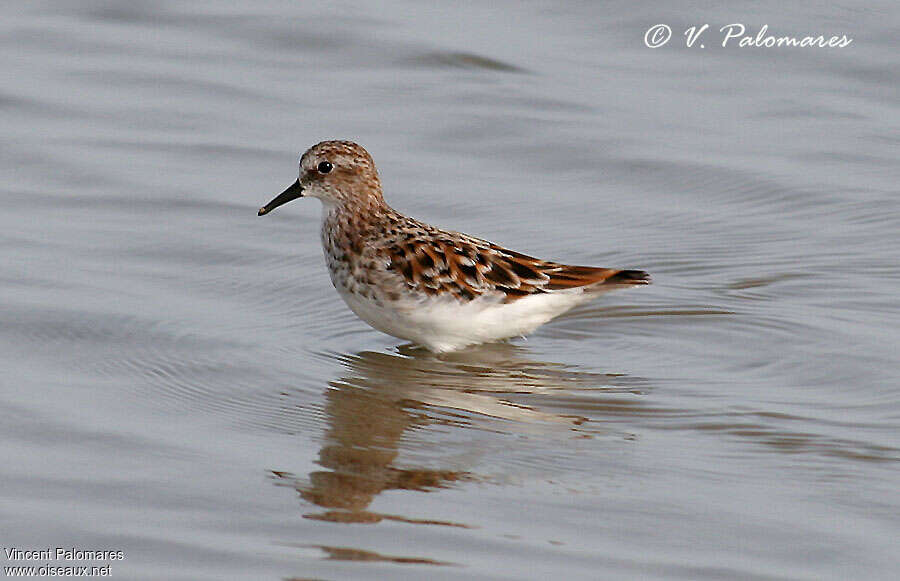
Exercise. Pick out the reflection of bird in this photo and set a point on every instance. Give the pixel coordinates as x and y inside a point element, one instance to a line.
<point>358,455</point>
<point>440,289</point>
<point>384,395</point>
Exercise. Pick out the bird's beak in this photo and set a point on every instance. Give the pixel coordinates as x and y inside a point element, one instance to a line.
<point>294,191</point>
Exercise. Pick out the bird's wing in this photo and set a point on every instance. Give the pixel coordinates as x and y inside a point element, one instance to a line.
<point>450,263</point>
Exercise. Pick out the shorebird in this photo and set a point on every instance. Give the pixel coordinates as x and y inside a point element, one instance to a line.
<point>439,289</point>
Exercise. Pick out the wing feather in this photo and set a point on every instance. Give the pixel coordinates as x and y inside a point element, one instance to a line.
<point>438,262</point>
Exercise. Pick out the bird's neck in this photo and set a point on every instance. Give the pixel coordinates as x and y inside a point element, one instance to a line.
<point>346,225</point>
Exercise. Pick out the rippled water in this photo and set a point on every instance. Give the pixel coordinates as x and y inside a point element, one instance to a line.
<point>182,383</point>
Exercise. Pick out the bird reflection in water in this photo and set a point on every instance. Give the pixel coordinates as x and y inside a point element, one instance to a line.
<point>386,394</point>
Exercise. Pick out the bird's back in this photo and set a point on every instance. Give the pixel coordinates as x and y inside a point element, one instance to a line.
<point>434,262</point>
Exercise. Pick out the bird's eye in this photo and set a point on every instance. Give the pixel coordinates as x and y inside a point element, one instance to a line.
<point>325,167</point>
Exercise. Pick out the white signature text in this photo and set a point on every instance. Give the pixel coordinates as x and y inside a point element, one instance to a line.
<point>736,34</point>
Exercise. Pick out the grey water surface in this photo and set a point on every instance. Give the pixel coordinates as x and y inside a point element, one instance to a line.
<point>181,382</point>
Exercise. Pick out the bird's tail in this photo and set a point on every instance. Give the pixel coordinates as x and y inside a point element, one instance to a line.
<point>628,277</point>
<point>594,279</point>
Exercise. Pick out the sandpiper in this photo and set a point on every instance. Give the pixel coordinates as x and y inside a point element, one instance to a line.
<point>439,289</point>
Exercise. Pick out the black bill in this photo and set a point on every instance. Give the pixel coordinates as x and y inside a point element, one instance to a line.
<point>294,191</point>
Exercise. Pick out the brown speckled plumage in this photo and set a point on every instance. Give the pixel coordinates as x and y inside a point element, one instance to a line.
<point>377,254</point>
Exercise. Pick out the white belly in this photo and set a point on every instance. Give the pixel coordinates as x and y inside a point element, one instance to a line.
<point>447,325</point>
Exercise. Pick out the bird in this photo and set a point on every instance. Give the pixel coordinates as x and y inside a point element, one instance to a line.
<point>438,289</point>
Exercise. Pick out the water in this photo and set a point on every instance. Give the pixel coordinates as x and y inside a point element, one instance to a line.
<point>182,383</point>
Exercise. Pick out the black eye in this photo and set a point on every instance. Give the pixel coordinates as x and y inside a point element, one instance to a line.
<point>325,167</point>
